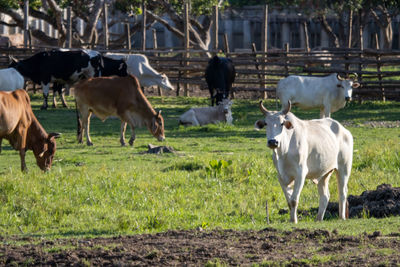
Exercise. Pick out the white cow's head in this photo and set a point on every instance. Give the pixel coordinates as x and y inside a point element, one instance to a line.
<point>165,84</point>
<point>276,122</point>
<point>225,107</point>
<point>346,86</point>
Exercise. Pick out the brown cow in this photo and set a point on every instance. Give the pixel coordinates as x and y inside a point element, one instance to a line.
<point>20,127</point>
<point>117,96</point>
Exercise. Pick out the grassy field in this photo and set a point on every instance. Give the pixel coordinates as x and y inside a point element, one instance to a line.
<point>220,176</point>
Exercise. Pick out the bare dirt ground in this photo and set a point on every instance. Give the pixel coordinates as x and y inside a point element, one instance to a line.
<point>226,247</point>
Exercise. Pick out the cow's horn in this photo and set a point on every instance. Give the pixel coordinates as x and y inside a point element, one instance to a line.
<point>263,109</point>
<point>340,78</point>
<point>287,110</point>
<point>355,75</point>
<point>159,113</point>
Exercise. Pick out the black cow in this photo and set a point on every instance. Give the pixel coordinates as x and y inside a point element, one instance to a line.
<point>220,74</point>
<point>112,67</point>
<point>62,67</point>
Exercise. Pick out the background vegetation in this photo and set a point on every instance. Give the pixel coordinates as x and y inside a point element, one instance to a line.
<point>220,177</point>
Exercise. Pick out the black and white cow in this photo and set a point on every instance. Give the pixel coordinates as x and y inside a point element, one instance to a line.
<point>220,74</point>
<point>62,67</point>
<point>112,67</point>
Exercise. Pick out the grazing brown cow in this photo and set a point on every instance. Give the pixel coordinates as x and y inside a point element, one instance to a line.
<point>20,127</point>
<point>117,96</point>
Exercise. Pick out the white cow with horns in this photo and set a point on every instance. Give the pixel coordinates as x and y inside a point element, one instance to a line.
<point>308,150</point>
<point>328,93</point>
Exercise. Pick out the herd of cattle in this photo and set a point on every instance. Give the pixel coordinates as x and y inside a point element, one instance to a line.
<point>110,85</point>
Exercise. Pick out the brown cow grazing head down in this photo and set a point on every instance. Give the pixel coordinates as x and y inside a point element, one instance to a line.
<point>21,128</point>
<point>116,96</point>
<point>44,152</point>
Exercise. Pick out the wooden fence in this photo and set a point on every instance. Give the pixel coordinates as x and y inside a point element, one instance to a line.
<point>378,71</point>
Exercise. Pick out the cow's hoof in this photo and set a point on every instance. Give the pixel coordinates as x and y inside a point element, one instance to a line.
<point>89,143</point>
<point>54,106</point>
<point>131,142</point>
<point>123,144</point>
<point>65,106</point>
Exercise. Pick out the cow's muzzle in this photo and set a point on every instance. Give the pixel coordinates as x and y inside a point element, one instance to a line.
<point>347,98</point>
<point>272,143</point>
<point>161,138</point>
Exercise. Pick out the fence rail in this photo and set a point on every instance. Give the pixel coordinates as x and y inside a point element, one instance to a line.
<point>378,71</point>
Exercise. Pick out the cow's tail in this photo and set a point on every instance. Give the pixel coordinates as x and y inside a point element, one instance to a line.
<point>78,121</point>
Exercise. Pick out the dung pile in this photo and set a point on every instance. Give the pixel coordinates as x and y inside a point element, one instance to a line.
<point>379,203</point>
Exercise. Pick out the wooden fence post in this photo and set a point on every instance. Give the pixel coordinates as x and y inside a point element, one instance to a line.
<point>144,25</point>
<point>378,67</point>
<point>105,25</point>
<point>215,29</point>
<point>69,27</point>
<point>128,36</point>
<point>264,49</point>
<point>155,46</point>
<point>286,55</point>
<point>26,22</point>
<point>227,54</point>
<point>260,76</point>
<point>186,54</point>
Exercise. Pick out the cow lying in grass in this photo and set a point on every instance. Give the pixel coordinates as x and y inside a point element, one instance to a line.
<point>205,115</point>
<point>10,80</point>
<point>308,150</point>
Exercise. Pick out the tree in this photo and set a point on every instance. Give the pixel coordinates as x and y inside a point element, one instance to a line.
<point>90,10</point>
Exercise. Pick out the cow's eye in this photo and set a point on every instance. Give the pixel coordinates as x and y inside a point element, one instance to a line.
<point>282,123</point>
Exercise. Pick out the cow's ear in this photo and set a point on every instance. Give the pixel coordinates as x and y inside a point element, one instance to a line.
<point>259,125</point>
<point>53,135</point>
<point>356,85</point>
<point>288,125</point>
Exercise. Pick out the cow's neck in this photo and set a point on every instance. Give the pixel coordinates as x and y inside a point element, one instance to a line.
<point>35,135</point>
<point>145,108</point>
<point>288,135</point>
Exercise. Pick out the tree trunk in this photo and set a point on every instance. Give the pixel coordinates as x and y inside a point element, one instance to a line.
<point>328,29</point>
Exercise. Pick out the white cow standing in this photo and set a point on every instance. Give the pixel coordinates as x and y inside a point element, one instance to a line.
<point>206,115</point>
<point>139,66</point>
<point>328,93</point>
<point>308,150</point>
<point>11,80</point>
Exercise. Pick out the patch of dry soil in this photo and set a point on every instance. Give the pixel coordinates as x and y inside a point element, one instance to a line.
<point>195,247</point>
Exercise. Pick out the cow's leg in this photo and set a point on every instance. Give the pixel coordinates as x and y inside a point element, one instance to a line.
<point>287,190</point>
<point>45,95</point>
<point>22,143</point>
<point>54,96</point>
<point>67,89</point>
<point>133,135</point>
<point>1,140</point>
<point>343,174</point>
<point>85,125</point>
<point>61,93</point>
<point>126,116</point>
<point>298,186</point>
<point>323,191</point>
<point>327,110</point>
<point>122,137</point>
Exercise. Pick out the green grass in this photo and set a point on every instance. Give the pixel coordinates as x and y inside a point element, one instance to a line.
<point>220,176</point>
